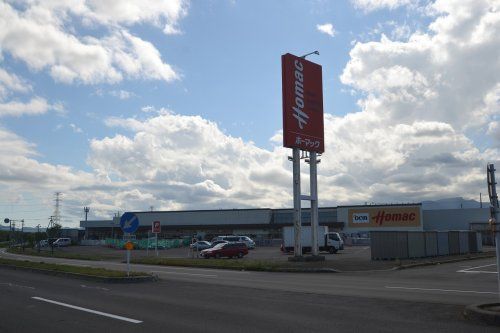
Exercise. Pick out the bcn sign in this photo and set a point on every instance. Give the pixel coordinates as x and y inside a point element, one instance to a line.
<point>302,104</point>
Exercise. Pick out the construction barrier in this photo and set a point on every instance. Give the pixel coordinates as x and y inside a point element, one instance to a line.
<point>143,244</point>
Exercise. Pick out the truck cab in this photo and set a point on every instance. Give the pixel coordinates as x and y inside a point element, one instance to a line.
<point>333,242</point>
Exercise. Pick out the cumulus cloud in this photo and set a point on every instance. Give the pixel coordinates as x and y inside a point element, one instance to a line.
<point>10,83</point>
<point>35,106</point>
<point>423,99</point>
<point>326,28</point>
<point>42,35</point>
<point>193,160</point>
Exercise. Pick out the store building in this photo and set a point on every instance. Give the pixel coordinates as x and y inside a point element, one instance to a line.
<point>266,223</point>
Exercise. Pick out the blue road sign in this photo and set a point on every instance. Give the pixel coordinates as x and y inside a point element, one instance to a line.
<point>129,222</point>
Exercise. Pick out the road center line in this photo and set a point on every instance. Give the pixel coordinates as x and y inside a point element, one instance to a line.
<point>445,290</point>
<point>88,310</point>
<point>179,273</point>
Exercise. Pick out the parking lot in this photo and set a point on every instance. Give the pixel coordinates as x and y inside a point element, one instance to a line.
<point>352,258</point>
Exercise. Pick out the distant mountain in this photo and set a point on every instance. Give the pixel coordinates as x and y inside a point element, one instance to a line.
<point>453,203</point>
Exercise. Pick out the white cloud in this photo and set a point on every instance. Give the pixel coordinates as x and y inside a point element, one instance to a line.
<point>372,5</point>
<point>12,83</point>
<point>41,35</point>
<point>35,106</point>
<point>326,28</point>
<point>75,128</point>
<point>122,94</point>
<point>421,99</point>
<point>189,157</point>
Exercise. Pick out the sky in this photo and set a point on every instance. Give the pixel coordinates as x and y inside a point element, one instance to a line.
<point>176,104</point>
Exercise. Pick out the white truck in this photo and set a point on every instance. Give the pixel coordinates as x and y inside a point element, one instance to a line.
<point>327,241</point>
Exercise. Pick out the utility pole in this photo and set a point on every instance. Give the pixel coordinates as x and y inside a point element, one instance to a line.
<point>57,210</point>
<point>494,208</point>
<point>22,233</point>
<point>86,210</point>
<point>37,238</point>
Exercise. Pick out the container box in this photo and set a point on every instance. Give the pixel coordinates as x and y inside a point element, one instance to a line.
<point>479,238</point>
<point>443,245</point>
<point>416,244</point>
<point>464,242</point>
<point>454,242</point>
<point>431,244</point>
<point>386,245</point>
<point>473,248</point>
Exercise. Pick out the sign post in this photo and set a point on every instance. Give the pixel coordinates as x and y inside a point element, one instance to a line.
<point>156,228</point>
<point>492,192</point>
<point>303,129</point>
<point>129,223</point>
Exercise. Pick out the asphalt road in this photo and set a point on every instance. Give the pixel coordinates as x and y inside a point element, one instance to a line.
<point>203,300</point>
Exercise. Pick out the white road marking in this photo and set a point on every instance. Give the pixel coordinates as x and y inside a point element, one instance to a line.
<point>468,270</point>
<point>89,287</point>
<point>15,285</point>
<point>179,273</point>
<point>88,310</point>
<point>445,290</point>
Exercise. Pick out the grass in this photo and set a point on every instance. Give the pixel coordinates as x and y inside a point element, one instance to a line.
<point>56,254</point>
<point>98,272</point>
<point>235,264</point>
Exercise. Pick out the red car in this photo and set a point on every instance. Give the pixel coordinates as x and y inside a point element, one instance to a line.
<point>229,250</point>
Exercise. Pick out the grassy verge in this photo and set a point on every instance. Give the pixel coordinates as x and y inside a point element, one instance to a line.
<point>56,254</point>
<point>98,272</point>
<point>249,265</point>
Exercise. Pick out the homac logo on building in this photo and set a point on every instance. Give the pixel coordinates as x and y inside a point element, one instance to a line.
<point>385,216</point>
<point>360,218</point>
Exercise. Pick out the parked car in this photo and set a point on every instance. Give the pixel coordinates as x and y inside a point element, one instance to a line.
<point>60,242</point>
<point>248,241</point>
<point>200,245</point>
<point>230,250</point>
<point>218,242</point>
<point>234,238</point>
<point>43,243</point>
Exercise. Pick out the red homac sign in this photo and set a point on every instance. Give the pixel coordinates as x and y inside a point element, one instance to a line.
<point>302,104</point>
<point>156,227</point>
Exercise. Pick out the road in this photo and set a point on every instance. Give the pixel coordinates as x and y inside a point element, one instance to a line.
<point>204,300</point>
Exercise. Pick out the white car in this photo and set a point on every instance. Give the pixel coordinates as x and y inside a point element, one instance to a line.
<point>60,242</point>
<point>200,245</point>
<point>243,239</point>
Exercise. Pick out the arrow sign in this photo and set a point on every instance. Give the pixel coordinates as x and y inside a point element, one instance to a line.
<point>129,222</point>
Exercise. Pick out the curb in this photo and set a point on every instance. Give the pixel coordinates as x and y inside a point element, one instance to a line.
<point>131,279</point>
<point>479,313</point>
<point>431,263</point>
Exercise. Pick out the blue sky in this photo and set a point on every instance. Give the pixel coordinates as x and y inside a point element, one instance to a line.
<point>177,104</point>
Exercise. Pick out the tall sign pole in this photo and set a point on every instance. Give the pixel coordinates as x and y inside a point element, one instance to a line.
<point>313,172</point>
<point>297,210</point>
<point>303,130</point>
<point>494,208</point>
